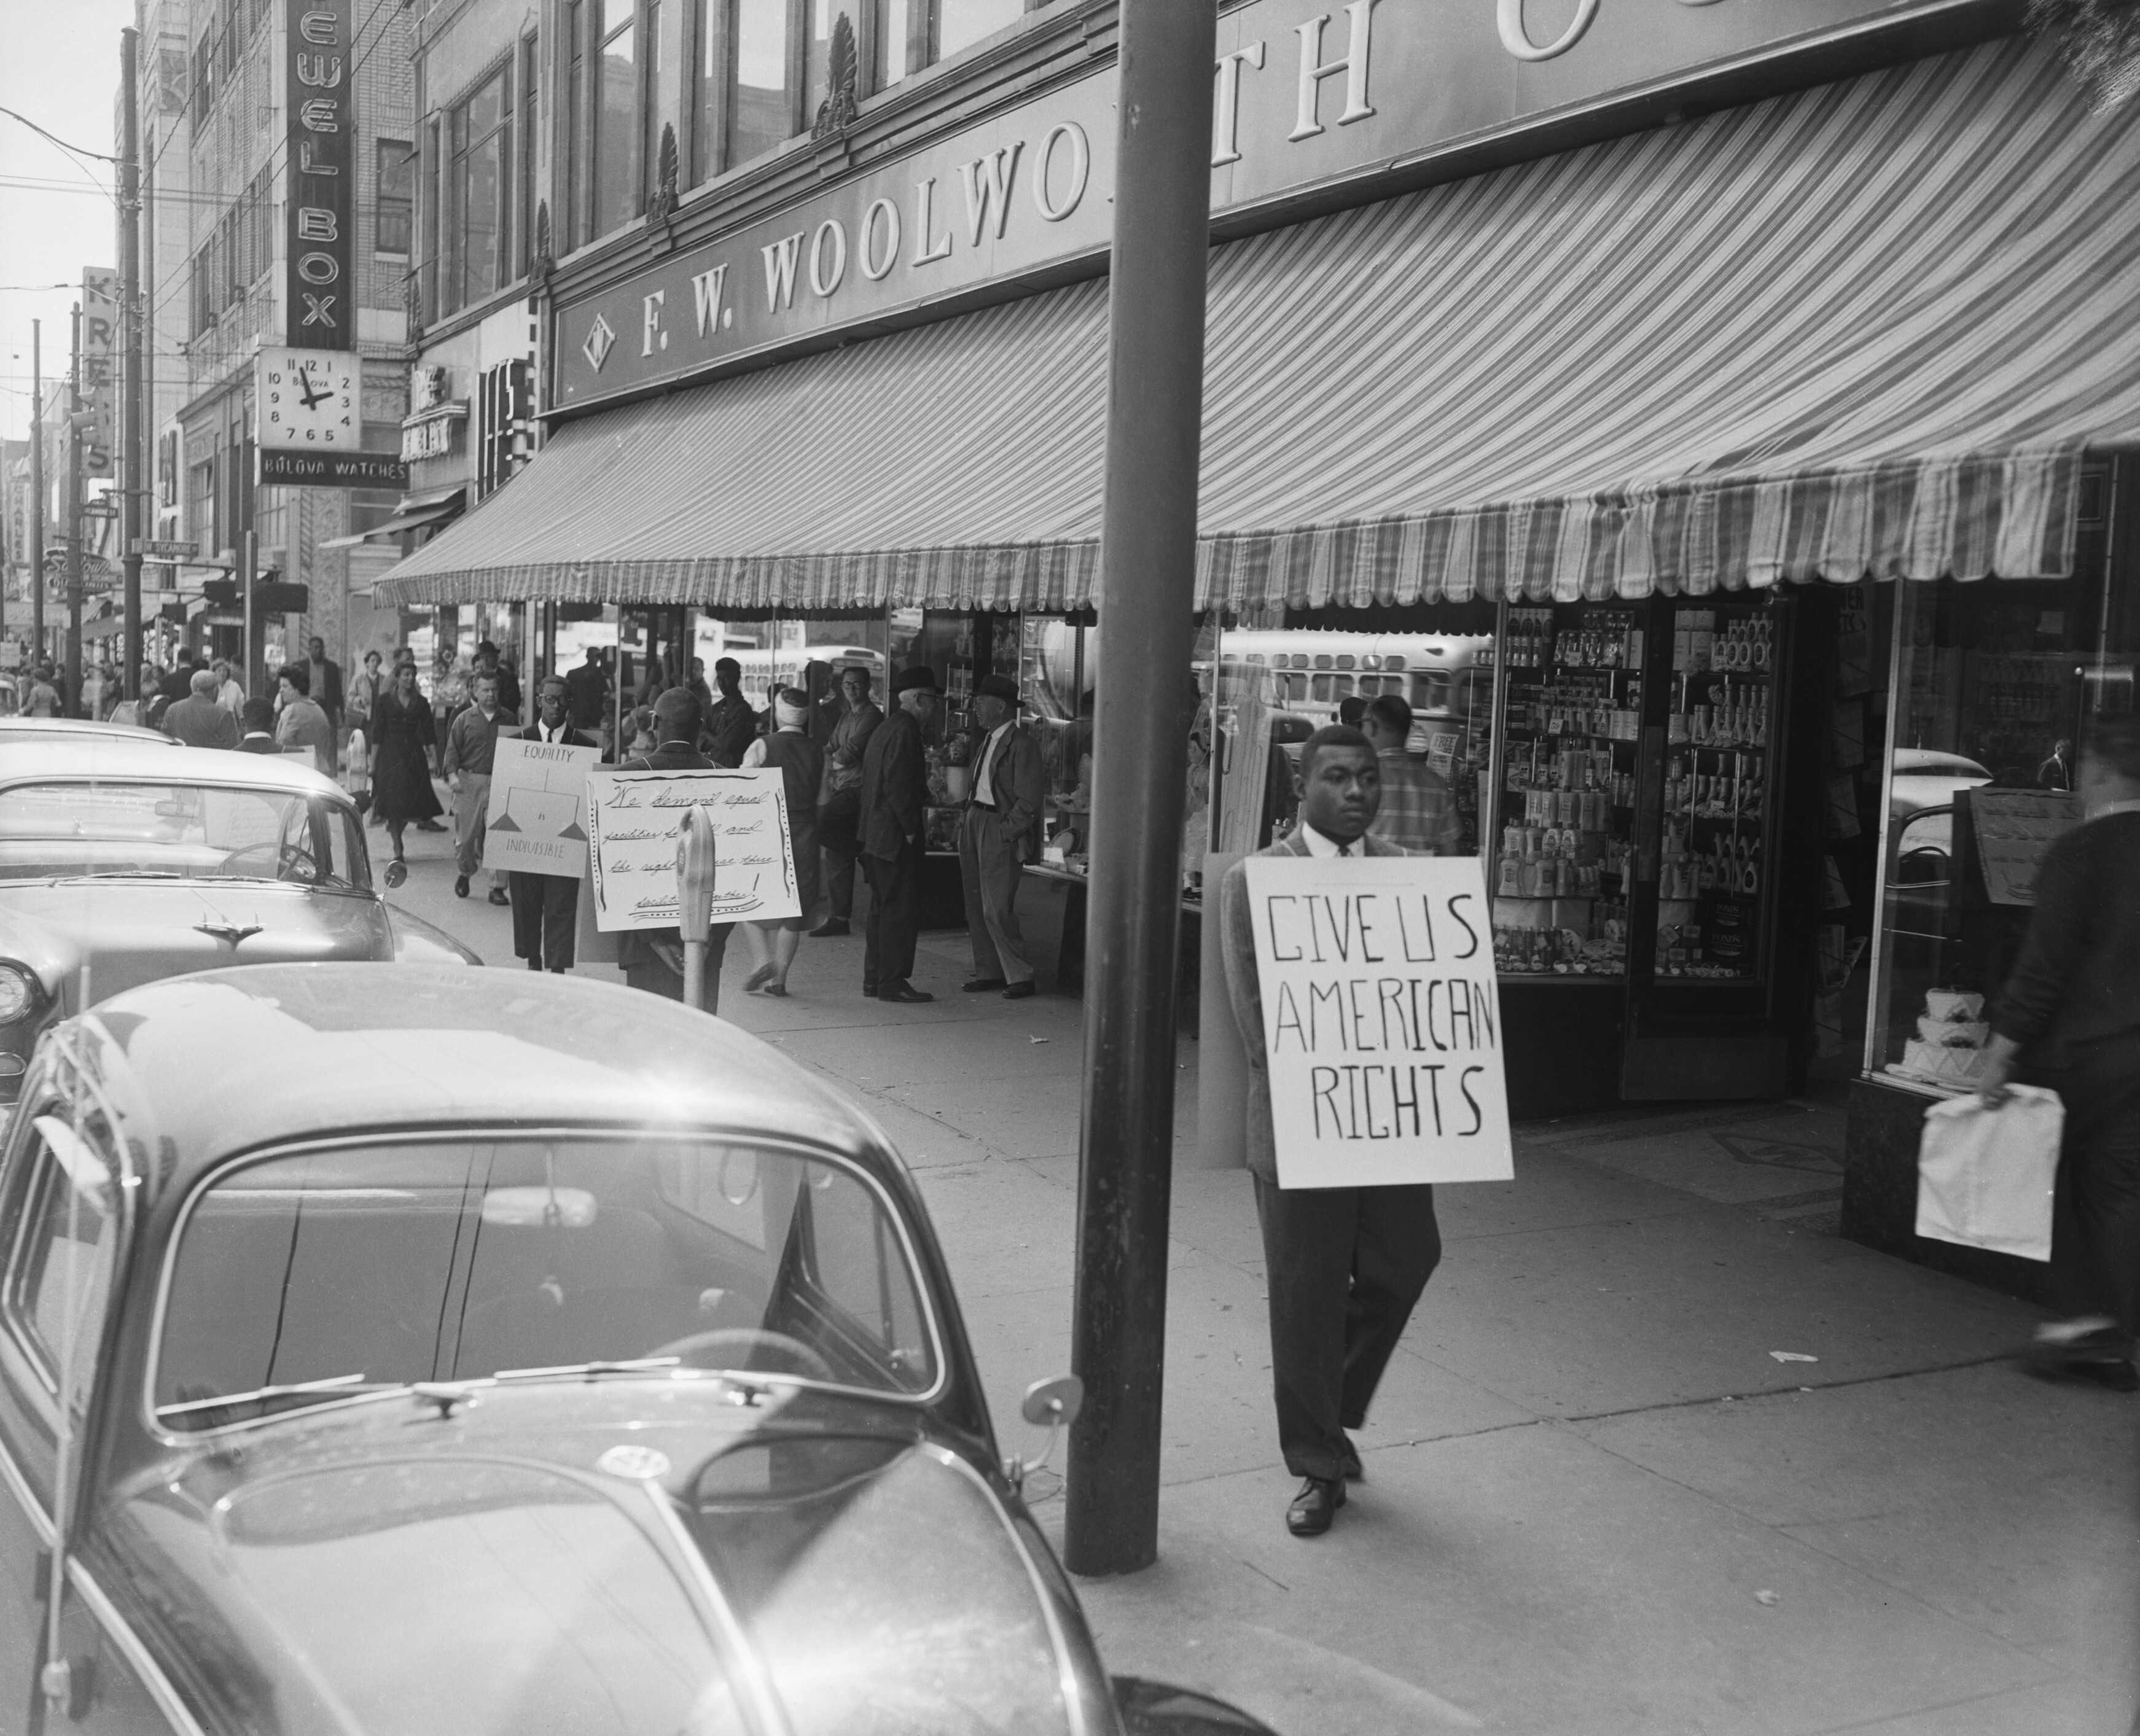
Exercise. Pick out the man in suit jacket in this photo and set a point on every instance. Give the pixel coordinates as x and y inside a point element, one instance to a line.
<point>1345,1265</point>
<point>546,907</point>
<point>895,791</point>
<point>197,721</point>
<point>257,719</point>
<point>653,959</point>
<point>999,833</point>
<point>326,680</point>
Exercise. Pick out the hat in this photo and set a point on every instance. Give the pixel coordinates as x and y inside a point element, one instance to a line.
<point>920,675</point>
<point>790,707</point>
<point>996,687</point>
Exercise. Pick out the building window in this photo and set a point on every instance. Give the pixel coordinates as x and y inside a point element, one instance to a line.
<point>395,200</point>
<point>529,135</point>
<point>572,180</point>
<point>762,101</point>
<point>478,196</point>
<point>167,469</point>
<point>619,153</point>
<point>204,75</point>
<point>961,23</point>
<point>202,497</point>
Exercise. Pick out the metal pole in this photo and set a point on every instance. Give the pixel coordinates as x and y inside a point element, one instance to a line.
<point>133,473</point>
<point>1148,545</point>
<point>37,489</point>
<point>251,654</point>
<point>70,658</point>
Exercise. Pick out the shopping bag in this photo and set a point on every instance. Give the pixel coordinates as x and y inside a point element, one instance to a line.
<point>1985,1175</point>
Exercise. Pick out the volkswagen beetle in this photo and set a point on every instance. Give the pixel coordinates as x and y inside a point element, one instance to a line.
<point>497,1355</point>
<point>124,860</point>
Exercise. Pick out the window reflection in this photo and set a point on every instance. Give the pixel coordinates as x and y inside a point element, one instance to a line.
<point>961,23</point>
<point>617,161</point>
<point>762,104</point>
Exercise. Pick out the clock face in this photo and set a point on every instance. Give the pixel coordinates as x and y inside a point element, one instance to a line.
<point>308,400</point>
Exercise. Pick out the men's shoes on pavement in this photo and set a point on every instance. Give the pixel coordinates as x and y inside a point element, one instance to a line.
<point>2088,1348</point>
<point>428,825</point>
<point>1315,1507</point>
<point>461,886</point>
<point>896,990</point>
<point>1018,991</point>
<point>499,895</point>
<point>979,985</point>
<point>830,930</point>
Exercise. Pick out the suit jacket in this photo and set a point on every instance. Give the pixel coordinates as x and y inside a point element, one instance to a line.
<point>1237,940</point>
<point>1018,782</point>
<point>258,744</point>
<point>329,698</point>
<point>200,723</point>
<point>894,785</point>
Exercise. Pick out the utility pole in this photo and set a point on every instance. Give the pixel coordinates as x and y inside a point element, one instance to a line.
<point>36,489</point>
<point>1147,580</point>
<point>70,683</point>
<point>133,470</point>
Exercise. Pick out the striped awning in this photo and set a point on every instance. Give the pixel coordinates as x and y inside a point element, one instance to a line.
<point>1865,330</point>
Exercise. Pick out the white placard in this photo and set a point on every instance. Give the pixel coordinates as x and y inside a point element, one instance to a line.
<point>536,821</point>
<point>1382,1020</point>
<point>633,818</point>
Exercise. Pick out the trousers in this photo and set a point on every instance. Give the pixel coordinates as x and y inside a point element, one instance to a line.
<point>839,847</point>
<point>471,802</point>
<point>988,869</point>
<point>644,969</point>
<point>894,914</point>
<point>1345,1266</point>
<point>545,910</point>
<point>2095,1205</point>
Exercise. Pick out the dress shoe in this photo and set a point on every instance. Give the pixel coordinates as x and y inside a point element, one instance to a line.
<point>428,825</point>
<point>499,895</point>
<point>2089,1349</point>
<point>830,930</point>
<point>869,990</point>
<point>461,886</point>
<point>1315,1507</point>
<point>1018,991</point>
<point>979,983</point>
<point>901,992</point>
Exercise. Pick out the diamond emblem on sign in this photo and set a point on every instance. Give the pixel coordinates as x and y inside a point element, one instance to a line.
<point>600,338</point>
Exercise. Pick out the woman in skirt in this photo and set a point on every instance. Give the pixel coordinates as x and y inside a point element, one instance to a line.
<point>402,730</point>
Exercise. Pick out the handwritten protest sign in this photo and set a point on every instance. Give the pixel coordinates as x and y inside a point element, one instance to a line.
<point>1382,1020</point>
<point>534,821</point>
<point>633,818</point>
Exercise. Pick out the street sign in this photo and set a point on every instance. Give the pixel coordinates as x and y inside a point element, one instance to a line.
<point>274,599</point>
<point>157,549</point>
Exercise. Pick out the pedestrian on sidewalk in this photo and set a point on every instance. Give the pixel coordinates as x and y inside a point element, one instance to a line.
<point>839,798</point>
<point>546,907</point>
<point>998,834</point>
<point>801,765</point>
<point>732,723</point>
<point>257,720</point>
<point>894,790</point>
<point>400,744</point>
<point>1344,1266</point>
<point>197,721</point>
<point>299,722</point>
<point>652,959</point>
<point>471,748</point>
<point>2068,1018</point>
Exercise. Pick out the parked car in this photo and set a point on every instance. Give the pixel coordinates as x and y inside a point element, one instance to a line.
<point>1922,779</point>
<point>498,1356</point>
<point>15,730</point>
<point>124,860</point>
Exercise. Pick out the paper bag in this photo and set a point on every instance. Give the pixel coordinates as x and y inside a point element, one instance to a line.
<point>1985,1175</point>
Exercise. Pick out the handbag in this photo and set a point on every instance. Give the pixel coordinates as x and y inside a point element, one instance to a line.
<point>1985,1175</point>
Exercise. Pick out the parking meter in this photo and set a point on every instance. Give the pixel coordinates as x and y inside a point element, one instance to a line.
<point>694,898</point>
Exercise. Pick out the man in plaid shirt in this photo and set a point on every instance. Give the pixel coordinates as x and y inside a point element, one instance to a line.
<point>1418,810</point>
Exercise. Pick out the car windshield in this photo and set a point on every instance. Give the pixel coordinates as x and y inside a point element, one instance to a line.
<point>142,827</point>
<point>298,1279</point>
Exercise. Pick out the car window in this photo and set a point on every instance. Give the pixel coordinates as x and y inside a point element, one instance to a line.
<point>59,1276</point>
<point>456,1260</point>
<point>194,831</point>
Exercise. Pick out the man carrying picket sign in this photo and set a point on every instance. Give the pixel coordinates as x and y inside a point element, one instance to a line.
<point>1345,1265</point>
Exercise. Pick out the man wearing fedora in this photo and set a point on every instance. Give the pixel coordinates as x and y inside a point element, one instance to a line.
<point>895,792</point>
<point>999,833</point>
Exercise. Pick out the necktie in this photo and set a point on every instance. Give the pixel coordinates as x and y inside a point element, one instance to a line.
<point>1344,850</point>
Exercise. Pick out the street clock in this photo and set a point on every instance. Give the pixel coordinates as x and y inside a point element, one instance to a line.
<point>307,400</point>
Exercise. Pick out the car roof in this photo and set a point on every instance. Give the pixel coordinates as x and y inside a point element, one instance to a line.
<point>128,756</point>
<point>1930,761</point>
<point>200,1067</point>
<point>66,728</point>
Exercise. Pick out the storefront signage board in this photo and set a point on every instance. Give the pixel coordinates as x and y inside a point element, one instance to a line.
<point>319,284</point>
<point>100,340</point>
<point>1382,1020</point>
<point>633,821</point>
<point>1308,95</point>
<point>536,821</point>
<point>332,469</point>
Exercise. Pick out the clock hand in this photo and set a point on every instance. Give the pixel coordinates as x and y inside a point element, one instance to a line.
<point>311,397</point>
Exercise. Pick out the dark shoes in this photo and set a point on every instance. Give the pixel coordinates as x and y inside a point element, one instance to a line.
<point>896,990</point>
<point>1018,991</point>
<point>1315,1507</point>
<point>461,886</point>
<point>830,930</point>
<point>428,825</point>
<point>499,895</point>
<point>980,985</point>
<point>870,990</point>
<point>2083,1349</point>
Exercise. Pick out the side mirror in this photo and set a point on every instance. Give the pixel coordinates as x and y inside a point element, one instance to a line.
<point>1051,1405</point>
<point>397,875</point>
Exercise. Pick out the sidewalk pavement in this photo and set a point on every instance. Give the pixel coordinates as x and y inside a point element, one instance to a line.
<point>1595,1503</point>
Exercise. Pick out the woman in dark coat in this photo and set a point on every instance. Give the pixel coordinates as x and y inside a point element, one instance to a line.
<point>401,730</point>
<point>802,763</point>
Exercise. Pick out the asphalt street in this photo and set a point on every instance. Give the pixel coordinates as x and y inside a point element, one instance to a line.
<point>1659,1454</point>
